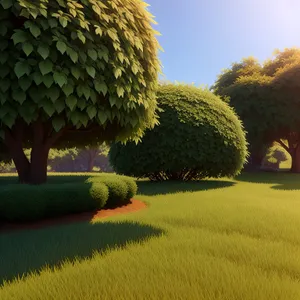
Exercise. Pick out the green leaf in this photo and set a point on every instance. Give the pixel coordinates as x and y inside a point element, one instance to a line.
<point>59,105</point>
<point>48,108</point>
<point>92,54</point>
<point>68,89</point>
<point>60,78</point>
<point>61,47</point>
<point>93,96</point>
<point>81,37</point>
<point>8,120</point>
<point>58,123</point>
<point>72,54</point>
<point>53,93</point>
<point>22,68</point>
<point>6,3</point>
<point>19,36</point>
<point>91,111</point>
<point>75,72</point>
<point>117,72</point>
<point>44,51</point>
<point>86,91</point>
<point>52,22</point>
<point>75,116</point>
<point>4,71</point>
<point>4,57</point>
<point>112,101</point>
<point>99,31</point>
<point>19,95</point>
<point>120,91</point>
<point>48,80</point>
<point>112,34</point>
<point>34,29</point>
<point>81,103</point>
<point>25,83</point>
<point>37,77</point>
<point>27,48</point>
<point>3,30</point>
<point>102,117</point>
<point>46,66</point>
<point>91,71</point>
<point>4,85</point>
<point>63,21</point>
<point>101,87</point>
<point>71,102</point>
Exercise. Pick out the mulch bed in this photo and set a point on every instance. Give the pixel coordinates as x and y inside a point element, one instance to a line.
<point>134,205</point>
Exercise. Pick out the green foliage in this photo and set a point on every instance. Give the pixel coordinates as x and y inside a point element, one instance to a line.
<point>63,195</point>
<point>29,203</point>
<point>198,136</point>
<point>79,64</point>
<point>120,188</point>
<point>267,100</point>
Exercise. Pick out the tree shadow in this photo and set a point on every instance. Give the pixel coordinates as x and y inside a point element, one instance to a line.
<point>23,252</point>
<point>288,186</point>
<point>268,177</point>
<point>150,188</point>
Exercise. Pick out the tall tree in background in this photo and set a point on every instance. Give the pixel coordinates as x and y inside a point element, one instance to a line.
<point>74,72</point>
<point>226,86</point>
<point>268,102</point>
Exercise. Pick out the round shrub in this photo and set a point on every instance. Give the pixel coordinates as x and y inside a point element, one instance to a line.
<point>132,187</point>
<point>29,202</point>
<point>121,188</point>
<point>199,136</point>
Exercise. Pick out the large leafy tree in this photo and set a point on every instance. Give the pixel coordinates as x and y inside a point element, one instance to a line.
<point>268,103</point>
<point>238,99</point>
<point>73,72</point>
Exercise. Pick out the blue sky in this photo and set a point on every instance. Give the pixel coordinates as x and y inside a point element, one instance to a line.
<point>201,37</point>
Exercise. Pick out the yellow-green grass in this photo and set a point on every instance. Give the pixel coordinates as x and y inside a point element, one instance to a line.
<point>224,239</point>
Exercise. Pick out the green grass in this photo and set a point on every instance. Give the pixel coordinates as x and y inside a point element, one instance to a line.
<point>221,239</point>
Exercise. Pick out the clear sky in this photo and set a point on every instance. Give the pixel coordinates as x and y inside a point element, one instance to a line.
<point>201,37</point>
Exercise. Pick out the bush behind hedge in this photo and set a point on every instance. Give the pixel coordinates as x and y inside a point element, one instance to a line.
<point>19,203</point>
<point>199,136</point>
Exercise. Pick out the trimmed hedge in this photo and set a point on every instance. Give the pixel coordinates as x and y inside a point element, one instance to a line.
<point>120,188</point>
<point>19,203</point>
<point>199,136</point>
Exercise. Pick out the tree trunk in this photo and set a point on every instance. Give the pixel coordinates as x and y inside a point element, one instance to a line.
<point>295,154</point>
<point>92,153</point>
<point>35,170</point>
<point>39,163</point>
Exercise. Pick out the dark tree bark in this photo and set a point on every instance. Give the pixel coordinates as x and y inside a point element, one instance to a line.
<point>92,154</point>
<point>35,170</point>
<point>293,148</point>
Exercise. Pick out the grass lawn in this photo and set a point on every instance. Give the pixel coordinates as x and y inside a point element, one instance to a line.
<point>225,240</point>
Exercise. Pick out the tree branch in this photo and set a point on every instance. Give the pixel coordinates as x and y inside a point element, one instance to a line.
<point>283,145</point>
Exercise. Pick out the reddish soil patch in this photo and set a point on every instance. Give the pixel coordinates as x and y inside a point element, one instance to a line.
<point>134,205</point>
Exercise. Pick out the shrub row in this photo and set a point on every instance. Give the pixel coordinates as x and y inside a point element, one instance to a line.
<point>30,203</point>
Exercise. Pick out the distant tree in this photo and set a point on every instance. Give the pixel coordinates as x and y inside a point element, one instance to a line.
<point>268,103</point>
<point>199,136</point>
<point>74,73</point>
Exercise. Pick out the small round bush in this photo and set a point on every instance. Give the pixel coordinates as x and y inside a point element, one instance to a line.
<point>117,191</point>
<point>199,136</point>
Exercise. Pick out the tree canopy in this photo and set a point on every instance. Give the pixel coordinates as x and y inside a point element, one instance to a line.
<point>74,72</point>
<point>268,103</point>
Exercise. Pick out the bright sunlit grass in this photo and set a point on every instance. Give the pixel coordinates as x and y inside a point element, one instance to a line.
<point>239,241</point>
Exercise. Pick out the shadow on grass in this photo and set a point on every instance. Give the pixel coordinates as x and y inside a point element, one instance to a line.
<point>284,181</point>
<point>171,187</point>
<point>26,251</point>
<point>269,177</point>
<point>60,178</point>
